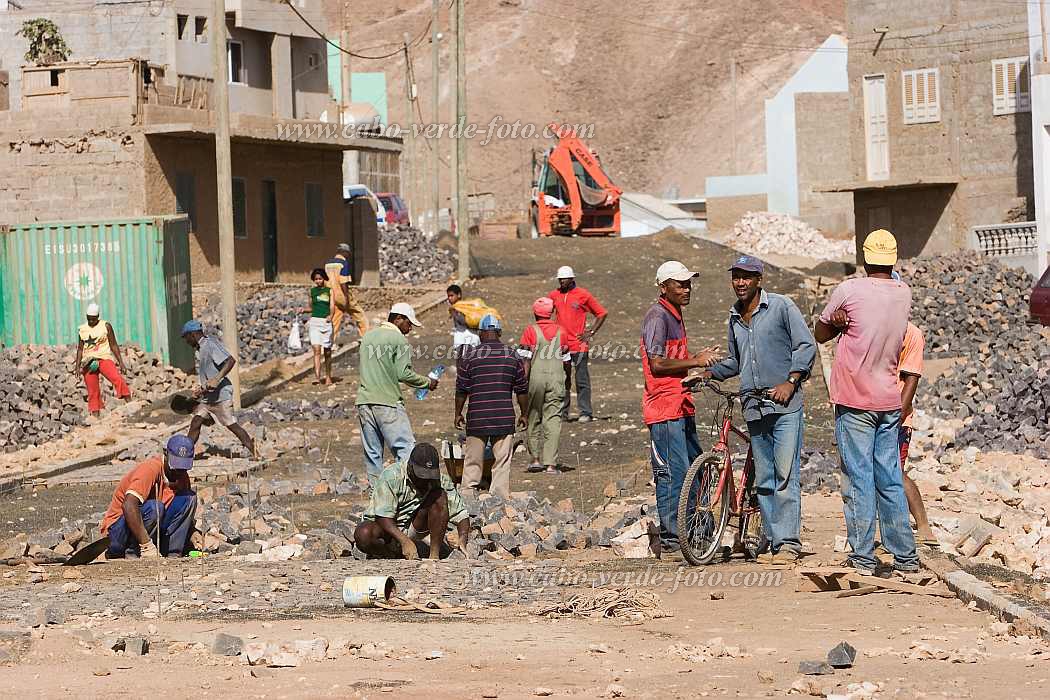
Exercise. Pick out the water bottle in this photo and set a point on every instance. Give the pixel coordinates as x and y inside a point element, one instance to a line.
<point>434,374</point>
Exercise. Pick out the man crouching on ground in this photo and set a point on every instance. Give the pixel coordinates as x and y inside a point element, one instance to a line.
<point>410,500</point>
<point>156,492</point>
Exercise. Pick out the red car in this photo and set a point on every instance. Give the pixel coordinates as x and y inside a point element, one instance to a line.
<point>396,211</point>
<point>1039,303</point>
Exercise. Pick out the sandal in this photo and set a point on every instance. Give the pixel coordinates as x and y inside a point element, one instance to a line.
<point>534,468</point>
<point>551,469</point>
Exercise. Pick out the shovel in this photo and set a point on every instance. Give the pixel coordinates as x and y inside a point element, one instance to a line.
<point>185,405</point>
<point>89,553</point>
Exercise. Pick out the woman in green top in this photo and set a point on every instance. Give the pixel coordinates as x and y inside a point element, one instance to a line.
<point>320,326</point>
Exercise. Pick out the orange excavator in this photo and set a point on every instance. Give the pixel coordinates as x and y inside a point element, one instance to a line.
<point>573,196</point>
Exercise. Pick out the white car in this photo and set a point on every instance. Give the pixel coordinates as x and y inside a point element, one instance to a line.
<point>354,191</point>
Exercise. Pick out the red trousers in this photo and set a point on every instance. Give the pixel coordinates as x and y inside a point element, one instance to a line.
<point>107,369</point>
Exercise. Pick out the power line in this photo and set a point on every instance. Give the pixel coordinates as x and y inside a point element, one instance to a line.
<point>331,43</point>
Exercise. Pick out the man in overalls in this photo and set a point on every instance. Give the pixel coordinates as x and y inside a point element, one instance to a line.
<point>546,366</point>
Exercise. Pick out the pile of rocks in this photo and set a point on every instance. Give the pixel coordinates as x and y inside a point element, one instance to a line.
<point>965,301</point>
<point>818,472</point>
<point>408,257</point>
<point>991,507</point>
<point>283,411</point>
<point>42,399</point>
<point>264,320</point>
<point>761,232</point>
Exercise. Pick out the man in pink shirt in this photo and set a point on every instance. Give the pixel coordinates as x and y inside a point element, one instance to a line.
<point>572,303</point>
<point>870,314</point>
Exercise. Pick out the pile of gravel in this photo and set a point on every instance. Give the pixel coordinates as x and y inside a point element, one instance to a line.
<point>762,232</point>
<point>964,301</point>
<point>409,257</point>
<point>41,399</point>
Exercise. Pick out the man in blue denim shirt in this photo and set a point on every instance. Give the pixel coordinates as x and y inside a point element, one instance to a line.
<point>770,347</point>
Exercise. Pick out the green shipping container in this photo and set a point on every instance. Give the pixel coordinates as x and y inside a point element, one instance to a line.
<point>136,270</point>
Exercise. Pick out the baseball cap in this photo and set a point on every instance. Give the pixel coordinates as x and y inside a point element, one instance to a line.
<point>343,247</point>
<point>423,462</point>
<point>407,311</point>
<point>880,248</point>
<point>564,272</point>
<point>92,310</point>
<point>674,270</point>
<point>192,326</point>
<point>748,263</point>
<point>490,323</point>
<point>543,307</point>
<point>180,452</point>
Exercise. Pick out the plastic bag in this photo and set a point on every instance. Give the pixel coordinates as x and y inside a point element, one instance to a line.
<point>295,338</point>
<point>474,310</point>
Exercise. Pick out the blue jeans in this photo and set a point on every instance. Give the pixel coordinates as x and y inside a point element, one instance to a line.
<point>673,447</point>
<point>776,444</point>
<point>176,525</point>
<point>871,482</point>
<point>384,426</point>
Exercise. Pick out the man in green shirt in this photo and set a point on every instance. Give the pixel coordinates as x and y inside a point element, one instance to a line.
<point>412,499</point>
<point>386,363</point>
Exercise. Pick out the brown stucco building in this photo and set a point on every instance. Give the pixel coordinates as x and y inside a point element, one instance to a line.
<point>939,123</point>
<point>135,136</point>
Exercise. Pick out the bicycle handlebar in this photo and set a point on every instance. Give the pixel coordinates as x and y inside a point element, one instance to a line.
<point>713,386</point>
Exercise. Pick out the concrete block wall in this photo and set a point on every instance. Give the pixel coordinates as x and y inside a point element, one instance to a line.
<point>822,142</point>
<point>57,171</point>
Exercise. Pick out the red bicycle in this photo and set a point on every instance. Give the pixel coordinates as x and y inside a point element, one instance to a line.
<point>709,495</point>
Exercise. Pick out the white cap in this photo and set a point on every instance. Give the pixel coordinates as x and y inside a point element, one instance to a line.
<point>407,311</point>
<point>564,272</point>
<point>92,310</point>
<point>674,270</point>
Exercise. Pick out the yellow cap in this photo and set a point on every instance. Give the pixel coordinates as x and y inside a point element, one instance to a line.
<point>880,248</point>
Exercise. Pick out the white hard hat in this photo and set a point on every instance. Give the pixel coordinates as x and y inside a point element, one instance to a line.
<point>92,310</point>
<point>407,311</point>
<point>674,270</point>
<point>564,272</point>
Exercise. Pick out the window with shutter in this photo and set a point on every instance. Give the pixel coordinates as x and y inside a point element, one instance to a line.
<point>1010,91</point>
<point>921,95</point>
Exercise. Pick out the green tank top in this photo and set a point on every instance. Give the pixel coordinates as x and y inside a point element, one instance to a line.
<point>320,302</point>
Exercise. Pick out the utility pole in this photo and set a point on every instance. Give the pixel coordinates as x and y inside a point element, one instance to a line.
<point>224,189</point>
<point>1042,30</point>
<point>406,142</point>
<point>435,152</point>
<point>462,210</point>
<point>732,80</point>
<point>344,63</point>
<point>453,151</point>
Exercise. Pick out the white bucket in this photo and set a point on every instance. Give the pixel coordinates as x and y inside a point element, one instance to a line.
<point>364,591</point>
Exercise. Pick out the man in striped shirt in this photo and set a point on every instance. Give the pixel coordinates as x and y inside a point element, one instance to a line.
<point>490,374</point>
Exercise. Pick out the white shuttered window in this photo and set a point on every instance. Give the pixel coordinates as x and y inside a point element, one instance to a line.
<point>1010,86</point>
<point>921,95</point>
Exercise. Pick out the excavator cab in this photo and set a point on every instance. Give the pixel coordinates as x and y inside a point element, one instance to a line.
<point>573,195</point>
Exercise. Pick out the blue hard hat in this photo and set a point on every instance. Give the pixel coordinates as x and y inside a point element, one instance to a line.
<point>191,326</point>
<point>180,452</point>
<point>490,323</point>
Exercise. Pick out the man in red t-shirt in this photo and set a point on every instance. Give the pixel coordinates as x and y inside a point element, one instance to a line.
<point>156,492</point>
<point>667,406</point>
<point>572,304</point>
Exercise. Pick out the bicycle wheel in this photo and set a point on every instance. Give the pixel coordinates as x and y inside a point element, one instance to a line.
<point>701,520</point>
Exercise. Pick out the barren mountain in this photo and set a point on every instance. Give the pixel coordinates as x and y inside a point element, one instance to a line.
<point>652,76</point>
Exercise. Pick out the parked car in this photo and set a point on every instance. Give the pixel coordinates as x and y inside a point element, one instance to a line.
<point>351,192</point>
<point>1039,302</point>
<point>396,209</point>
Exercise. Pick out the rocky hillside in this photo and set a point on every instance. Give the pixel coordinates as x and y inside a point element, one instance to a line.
<point>653,76</point>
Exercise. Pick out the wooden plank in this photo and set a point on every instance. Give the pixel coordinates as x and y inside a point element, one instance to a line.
<point>898,585</point>
<point>863,590</point>
<point>825,570</point>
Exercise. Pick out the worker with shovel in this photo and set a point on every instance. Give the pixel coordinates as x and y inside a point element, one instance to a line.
<point>412,499</point>
<point>154,494</point>
<point>214,364</point>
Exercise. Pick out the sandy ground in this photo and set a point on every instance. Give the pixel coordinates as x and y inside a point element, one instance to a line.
<point>502,647</point>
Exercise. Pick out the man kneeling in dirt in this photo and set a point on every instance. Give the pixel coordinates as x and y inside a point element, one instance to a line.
<point>410,500</point>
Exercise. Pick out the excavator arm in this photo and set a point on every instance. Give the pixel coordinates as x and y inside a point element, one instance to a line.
<point>583,181</point>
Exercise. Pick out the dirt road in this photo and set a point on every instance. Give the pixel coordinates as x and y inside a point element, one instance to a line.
<point>746,642</point>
